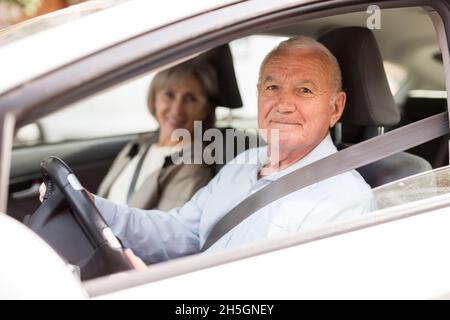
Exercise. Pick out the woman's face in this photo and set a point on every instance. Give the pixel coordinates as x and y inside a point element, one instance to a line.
<point>179,105</point>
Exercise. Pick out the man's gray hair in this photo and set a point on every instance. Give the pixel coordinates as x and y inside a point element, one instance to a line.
<point>302,43</point>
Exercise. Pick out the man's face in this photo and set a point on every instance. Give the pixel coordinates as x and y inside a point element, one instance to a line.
<point>296,96</point>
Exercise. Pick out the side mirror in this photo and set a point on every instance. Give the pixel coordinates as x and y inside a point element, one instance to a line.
<point>29,135</point>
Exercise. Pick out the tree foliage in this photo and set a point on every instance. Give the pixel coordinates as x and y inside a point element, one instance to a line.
<point>28,6</point>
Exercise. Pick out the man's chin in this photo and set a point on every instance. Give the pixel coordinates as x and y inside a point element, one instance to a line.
<point>287,143</point>
<point>285,127</point>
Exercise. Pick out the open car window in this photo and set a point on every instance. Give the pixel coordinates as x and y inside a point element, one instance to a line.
<point>122,110</point>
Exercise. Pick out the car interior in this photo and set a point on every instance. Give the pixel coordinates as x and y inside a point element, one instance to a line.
<point>372,107</point>
<point>408,39</point>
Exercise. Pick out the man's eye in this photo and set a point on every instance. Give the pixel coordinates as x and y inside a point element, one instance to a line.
<point>271,88</point>
<point>305,90</point>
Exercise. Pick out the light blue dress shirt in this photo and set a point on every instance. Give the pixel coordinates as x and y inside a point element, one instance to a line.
<point>157,236</point>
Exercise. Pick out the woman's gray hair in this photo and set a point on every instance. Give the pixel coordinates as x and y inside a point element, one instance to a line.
<point>202,71</point>
<point>302,43</point>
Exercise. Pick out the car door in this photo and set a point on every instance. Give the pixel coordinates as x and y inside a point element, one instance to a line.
<point>188,276</point>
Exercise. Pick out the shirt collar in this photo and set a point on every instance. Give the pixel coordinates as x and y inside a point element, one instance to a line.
<point>322,150</point>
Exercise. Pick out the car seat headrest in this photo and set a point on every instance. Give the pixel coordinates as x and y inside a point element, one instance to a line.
<point>369,98</point>
<point>222,61</point>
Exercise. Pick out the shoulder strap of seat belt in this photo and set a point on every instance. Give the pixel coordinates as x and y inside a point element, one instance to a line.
<point>345,160</point>
<point>147,145</point>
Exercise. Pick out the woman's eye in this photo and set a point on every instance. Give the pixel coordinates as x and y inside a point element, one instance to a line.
<point>169,94</point>
<point>190,98</point>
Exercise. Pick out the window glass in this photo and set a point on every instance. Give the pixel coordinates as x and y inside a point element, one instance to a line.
<point>122,110</point>
<point>396,75</point>
<point>418,187</point>
<point>248,54</point>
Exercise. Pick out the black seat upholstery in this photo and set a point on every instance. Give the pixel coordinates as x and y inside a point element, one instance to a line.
<point>370,106</point>
<point>221,59</point>
<point>229,96</point>
<point>417,108</point>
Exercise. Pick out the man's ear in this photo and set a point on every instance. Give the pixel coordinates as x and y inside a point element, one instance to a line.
<point>338,107</point>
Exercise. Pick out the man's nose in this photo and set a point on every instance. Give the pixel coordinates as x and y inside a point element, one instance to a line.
<point>286,103</point>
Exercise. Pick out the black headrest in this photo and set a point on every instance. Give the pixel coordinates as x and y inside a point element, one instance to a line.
<point>369,99</point>
<point>222,61</point>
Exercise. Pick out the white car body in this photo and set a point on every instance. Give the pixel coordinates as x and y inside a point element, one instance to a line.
<point>387,255</point>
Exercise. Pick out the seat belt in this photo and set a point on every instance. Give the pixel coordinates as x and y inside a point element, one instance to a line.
<point>345,160</point>
<point>137,171</point>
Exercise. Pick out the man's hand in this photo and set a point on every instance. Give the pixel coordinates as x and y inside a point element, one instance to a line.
<point>43,189</point>
<point>135,261</point>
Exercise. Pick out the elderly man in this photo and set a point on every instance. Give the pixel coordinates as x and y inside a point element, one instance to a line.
<point>300,96</point>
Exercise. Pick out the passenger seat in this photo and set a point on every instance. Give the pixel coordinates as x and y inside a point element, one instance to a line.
<point>370,106</point>
<point>418,108</point>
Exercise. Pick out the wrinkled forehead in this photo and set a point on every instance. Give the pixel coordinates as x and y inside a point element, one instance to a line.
<point>296,63</point>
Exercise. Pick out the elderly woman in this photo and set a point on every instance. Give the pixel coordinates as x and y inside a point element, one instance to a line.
<point>143,174</point>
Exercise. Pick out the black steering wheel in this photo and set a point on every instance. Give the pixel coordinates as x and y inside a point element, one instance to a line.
<point>70,222</point>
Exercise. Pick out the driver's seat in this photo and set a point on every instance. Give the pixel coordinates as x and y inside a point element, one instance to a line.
<point>370,106</point>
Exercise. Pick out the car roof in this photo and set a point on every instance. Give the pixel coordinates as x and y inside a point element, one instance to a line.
<point>51,47</point>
